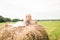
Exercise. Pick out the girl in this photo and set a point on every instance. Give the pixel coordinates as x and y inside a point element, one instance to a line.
<point>27,20</point>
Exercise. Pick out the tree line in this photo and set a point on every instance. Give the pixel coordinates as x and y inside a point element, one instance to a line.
<point>3,19</point>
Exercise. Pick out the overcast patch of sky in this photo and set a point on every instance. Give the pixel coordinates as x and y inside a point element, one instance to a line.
<point>39,9</point>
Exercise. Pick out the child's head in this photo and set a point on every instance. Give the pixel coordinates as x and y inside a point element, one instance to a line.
<point>28,17</point>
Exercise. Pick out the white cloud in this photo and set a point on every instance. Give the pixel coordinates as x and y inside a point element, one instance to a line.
<point>40,9</point>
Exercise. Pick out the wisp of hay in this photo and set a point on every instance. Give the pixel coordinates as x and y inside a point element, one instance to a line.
<point>32,32</point>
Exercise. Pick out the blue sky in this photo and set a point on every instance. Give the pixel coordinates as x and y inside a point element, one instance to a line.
<point>39,9</point>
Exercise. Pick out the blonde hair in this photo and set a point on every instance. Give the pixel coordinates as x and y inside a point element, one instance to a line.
<point>28,15</point>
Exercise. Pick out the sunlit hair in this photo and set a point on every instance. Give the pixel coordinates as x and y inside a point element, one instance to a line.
<point>28,15</point>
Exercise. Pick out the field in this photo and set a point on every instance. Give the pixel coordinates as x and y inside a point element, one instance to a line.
<point>52,28</point>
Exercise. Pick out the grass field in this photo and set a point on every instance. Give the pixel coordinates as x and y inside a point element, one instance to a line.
<point>1,24</point>
<point>52,28</point>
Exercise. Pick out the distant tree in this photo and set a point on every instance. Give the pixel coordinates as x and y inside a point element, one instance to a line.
<point>7,20</point>
<point>15,20</point>
<point>1,19</point>
<point>37,20</point>
<point>21,20</point>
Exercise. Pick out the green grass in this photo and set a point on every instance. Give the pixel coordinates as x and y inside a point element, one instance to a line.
<point>52,28</point>
<point>4,23</point>
<point>1,24</point>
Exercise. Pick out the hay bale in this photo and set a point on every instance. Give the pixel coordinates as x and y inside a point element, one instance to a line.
<point>32,32</point>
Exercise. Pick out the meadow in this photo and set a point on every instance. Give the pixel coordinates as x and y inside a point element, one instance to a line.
<point>52,28</point>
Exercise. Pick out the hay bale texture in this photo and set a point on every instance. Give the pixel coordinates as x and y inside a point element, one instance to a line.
<point>32,32</point>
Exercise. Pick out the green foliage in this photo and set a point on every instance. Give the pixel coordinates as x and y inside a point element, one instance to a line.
<point>7,20</point>
<point>15,20</point>
<point>3,19</point>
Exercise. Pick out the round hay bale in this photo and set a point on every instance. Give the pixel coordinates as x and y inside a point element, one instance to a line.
<point>32,32</point>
